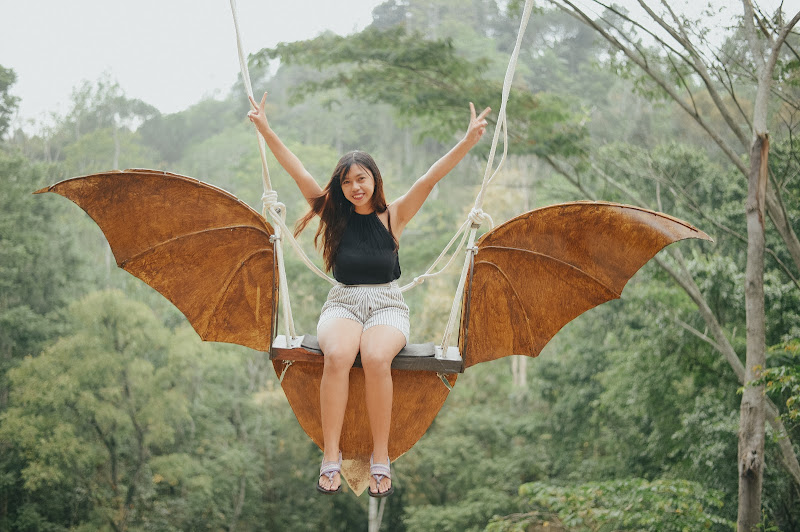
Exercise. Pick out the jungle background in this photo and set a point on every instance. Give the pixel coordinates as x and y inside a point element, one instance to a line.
<point>115,416</point>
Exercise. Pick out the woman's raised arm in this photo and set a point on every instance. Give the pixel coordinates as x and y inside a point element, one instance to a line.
<point>288,160</point>
<point>406,206</point>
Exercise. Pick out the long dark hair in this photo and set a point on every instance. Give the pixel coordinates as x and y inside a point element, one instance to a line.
<point>334,209</point>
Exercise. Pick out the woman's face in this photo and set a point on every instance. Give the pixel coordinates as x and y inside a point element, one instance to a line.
<point>358,186</point>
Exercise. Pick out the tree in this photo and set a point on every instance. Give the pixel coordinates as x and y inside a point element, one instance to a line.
<point>40,271</point>
<point>171,134</point>
<point>8,103</point>
<point>617,505</point>
<point>97,106</point>
<point>685,55</point>
<point>429,81</point>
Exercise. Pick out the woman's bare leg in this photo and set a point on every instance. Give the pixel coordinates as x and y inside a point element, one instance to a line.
<point>379,345</point>
<point>339,339</point>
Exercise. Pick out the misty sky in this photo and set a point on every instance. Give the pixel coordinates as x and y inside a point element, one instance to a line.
<point>172,53</point>
<point>169,53</point>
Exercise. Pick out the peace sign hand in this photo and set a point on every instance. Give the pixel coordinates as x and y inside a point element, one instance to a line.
<point>257,115</point>
<point>477,125</point>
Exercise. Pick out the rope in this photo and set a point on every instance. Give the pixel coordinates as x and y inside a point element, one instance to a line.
<point>277,211</point>
<point>475,218</point>
<point>429,273</point>
<point>444,380</point>
<point>488,175</point>
<point>502,122</point>
<point>269,198</point>
<point>262,149</point>
<point>286,365</point>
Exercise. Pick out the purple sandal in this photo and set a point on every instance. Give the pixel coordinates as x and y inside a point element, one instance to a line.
<point>379,472</point>
<point>329,469</point>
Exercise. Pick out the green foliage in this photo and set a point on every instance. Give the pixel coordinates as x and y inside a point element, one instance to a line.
<point>427,79</point>
<point>629,504</point>
<point>103,104</point>
<point>783,379</point>
<point>124,423</point>
<point>171,135</point>
<point>36,257</point>
<point>467,468</point>
<point>106,149</point>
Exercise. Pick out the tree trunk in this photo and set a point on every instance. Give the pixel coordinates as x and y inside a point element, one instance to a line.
<point>117,148</point>
<point>238,504</point>
<point>519,372</point>
<point>751,421</point>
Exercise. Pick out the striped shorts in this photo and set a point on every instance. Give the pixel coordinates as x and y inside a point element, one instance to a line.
<point>368,304</point>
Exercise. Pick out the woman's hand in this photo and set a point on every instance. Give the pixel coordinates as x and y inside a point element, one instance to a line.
<point>405,207</point>
<point>257,115</point>
<point>477,125</point>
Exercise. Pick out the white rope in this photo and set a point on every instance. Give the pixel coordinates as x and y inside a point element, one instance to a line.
<point>488,175</point>
<point>429,273</point>
<point>287,235</point>
<point>502,123</point>
<point>269,199</point>
<point>286,365</point>
<point>448,330</point>
<point>262,149</point>
<point>278,211</point>
<point>475,218</point>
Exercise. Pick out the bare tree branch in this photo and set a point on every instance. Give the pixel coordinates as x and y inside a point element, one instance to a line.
<point>700,68</point>
<point>659,80</point>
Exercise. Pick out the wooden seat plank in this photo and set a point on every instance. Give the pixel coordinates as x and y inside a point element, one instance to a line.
<point>416,357</point>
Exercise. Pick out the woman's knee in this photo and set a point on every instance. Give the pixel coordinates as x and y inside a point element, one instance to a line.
<point>379,345</point>
<point>375,361</point>
<point>338,361</point>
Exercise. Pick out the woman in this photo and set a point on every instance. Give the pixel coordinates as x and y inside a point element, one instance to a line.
<point>365,311</point>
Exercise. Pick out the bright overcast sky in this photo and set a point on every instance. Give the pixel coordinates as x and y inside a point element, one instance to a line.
<point>169,53</point>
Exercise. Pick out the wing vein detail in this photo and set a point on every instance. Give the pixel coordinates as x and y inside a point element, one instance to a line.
<point>229,280</point>
<point>515,295</point>
<point>559,261</point>
<point>174,239</point>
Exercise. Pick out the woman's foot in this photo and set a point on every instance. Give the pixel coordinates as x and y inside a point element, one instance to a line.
<point>380,482</point>
<point>330,478</point>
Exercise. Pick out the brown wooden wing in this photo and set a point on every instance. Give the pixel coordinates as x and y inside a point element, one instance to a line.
<point>418,397</point>
<point>537,272</point>
<point>199,246</point>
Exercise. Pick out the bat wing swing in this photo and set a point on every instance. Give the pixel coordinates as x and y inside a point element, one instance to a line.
<point>221,264</point>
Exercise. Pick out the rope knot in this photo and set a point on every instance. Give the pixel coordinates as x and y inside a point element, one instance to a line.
<point>477,217</point>
<point>271,204</point>
<point>269,198</point>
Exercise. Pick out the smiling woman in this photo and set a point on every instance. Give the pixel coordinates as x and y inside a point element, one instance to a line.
<point>364,313</point>
<point>358,185</point>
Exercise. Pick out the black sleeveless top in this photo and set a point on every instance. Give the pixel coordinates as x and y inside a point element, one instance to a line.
<point>366,253</point>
